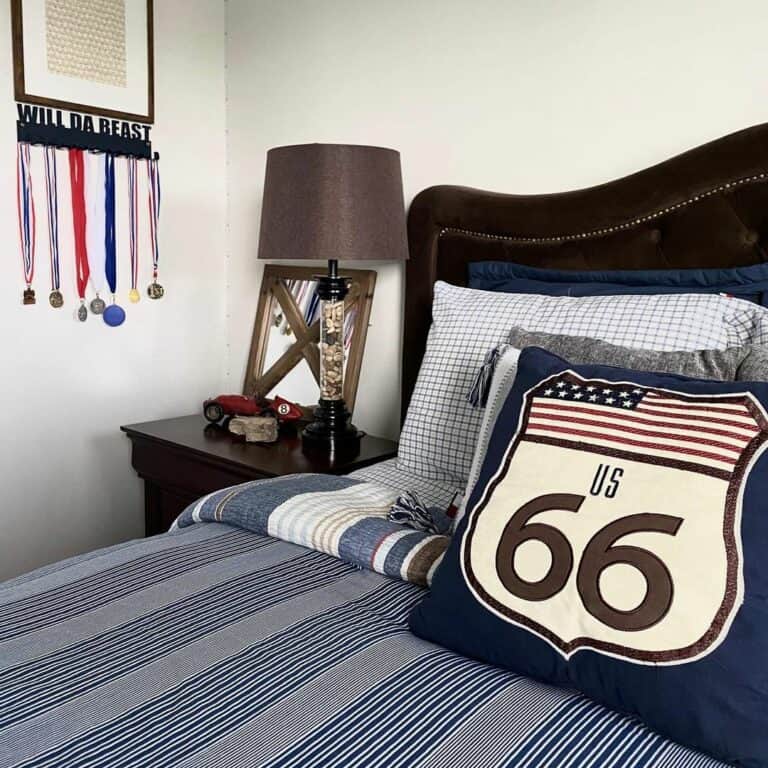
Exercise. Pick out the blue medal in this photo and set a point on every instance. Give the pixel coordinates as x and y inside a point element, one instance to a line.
<point>114,314</point>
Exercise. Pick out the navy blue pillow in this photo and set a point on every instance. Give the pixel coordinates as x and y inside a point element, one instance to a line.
<point>615,542</point>
<point>749,283</point>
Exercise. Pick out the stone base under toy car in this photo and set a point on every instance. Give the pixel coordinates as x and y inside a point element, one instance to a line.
<point>255,429</point>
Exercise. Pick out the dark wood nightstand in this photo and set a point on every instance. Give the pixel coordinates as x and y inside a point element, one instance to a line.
<point>185,458</point>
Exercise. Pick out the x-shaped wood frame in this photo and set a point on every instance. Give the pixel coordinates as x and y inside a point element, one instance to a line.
<point>306,346</point>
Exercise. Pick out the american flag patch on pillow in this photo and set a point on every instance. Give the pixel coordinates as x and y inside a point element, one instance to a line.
<point>624,420</point>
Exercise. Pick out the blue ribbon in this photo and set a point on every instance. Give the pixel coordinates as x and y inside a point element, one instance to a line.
<point>110,244</point>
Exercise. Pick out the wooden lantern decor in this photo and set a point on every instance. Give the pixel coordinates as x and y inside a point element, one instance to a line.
<point>275,296</point>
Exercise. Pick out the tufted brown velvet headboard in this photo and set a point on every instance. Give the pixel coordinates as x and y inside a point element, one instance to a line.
<point>705,208</point>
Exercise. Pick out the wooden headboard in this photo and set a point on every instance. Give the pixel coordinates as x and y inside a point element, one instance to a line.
<point>705,208</point>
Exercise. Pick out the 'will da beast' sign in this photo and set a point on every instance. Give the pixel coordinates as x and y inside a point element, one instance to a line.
<point>45,116</point>
<point>56,127</point>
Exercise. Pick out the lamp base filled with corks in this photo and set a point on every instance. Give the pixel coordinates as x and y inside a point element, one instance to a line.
<point>332,430</point>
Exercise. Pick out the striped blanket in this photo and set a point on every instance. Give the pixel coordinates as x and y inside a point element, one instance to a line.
<point>214,646</point>
<point>341,516</point>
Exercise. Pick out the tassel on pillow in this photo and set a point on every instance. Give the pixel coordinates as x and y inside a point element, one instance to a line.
<point>409,511</point>
<point>477,396</point>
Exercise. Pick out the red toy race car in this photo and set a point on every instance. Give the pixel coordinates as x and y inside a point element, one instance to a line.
<point>217,408</point>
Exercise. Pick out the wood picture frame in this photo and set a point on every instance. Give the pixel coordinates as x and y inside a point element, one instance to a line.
<point>24,93</point>
<point>259,382</point>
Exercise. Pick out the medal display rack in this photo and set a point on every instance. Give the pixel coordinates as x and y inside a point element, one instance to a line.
<point>74,138</point>
<point>133,145</point>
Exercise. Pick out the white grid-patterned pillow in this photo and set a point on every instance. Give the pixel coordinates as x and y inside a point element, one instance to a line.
<point>441,428</point>
<point>434,493</point>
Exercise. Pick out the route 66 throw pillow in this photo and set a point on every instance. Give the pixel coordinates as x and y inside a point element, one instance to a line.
<point>616,542</point>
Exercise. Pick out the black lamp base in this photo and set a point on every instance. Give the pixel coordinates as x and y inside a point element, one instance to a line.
<point>331,431</point>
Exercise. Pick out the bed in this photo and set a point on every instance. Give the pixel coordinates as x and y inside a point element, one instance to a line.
<point>269,626</point>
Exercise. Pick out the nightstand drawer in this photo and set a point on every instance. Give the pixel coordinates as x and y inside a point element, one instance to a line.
<point>193,473</point>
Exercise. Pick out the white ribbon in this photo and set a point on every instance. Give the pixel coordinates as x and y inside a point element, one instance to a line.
<point>94,220</point>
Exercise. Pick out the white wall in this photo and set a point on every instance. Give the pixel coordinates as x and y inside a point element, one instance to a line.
<point>513,95</point>
<point>66,482</point>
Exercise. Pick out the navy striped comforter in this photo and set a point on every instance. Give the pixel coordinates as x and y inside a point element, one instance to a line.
<point>214,646</point>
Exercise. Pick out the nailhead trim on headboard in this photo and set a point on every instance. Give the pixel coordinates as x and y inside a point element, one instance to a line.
<point>616,228</point>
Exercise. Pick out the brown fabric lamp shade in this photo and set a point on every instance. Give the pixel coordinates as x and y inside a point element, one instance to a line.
<point>333,202</point>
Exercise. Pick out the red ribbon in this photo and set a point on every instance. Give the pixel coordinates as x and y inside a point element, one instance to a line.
<point>77,184</point>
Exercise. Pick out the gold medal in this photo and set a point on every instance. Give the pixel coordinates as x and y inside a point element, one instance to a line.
<point>155,291</point>
<point>56,300</point>
<point>29,297</point>
<point>134,296</point>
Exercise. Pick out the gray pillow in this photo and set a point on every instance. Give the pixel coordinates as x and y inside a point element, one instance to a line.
<point>742,363</point>
<point>755,366</point>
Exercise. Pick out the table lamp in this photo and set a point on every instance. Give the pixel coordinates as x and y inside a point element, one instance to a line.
<point>332,202</point>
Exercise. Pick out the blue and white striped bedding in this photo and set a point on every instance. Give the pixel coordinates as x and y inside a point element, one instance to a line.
<point>215,646</point>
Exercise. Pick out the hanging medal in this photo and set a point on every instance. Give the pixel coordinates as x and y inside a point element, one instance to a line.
<point>155,290</point>
<point>133,227</point>
<point>95,184</point>
<point>26,212</point>
<point>55,298</point>
<point>114,314</point>
<point>77,185</point>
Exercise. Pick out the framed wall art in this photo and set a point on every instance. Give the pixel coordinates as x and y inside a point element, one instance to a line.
<point>285,344</point>
<point>91,56</point>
